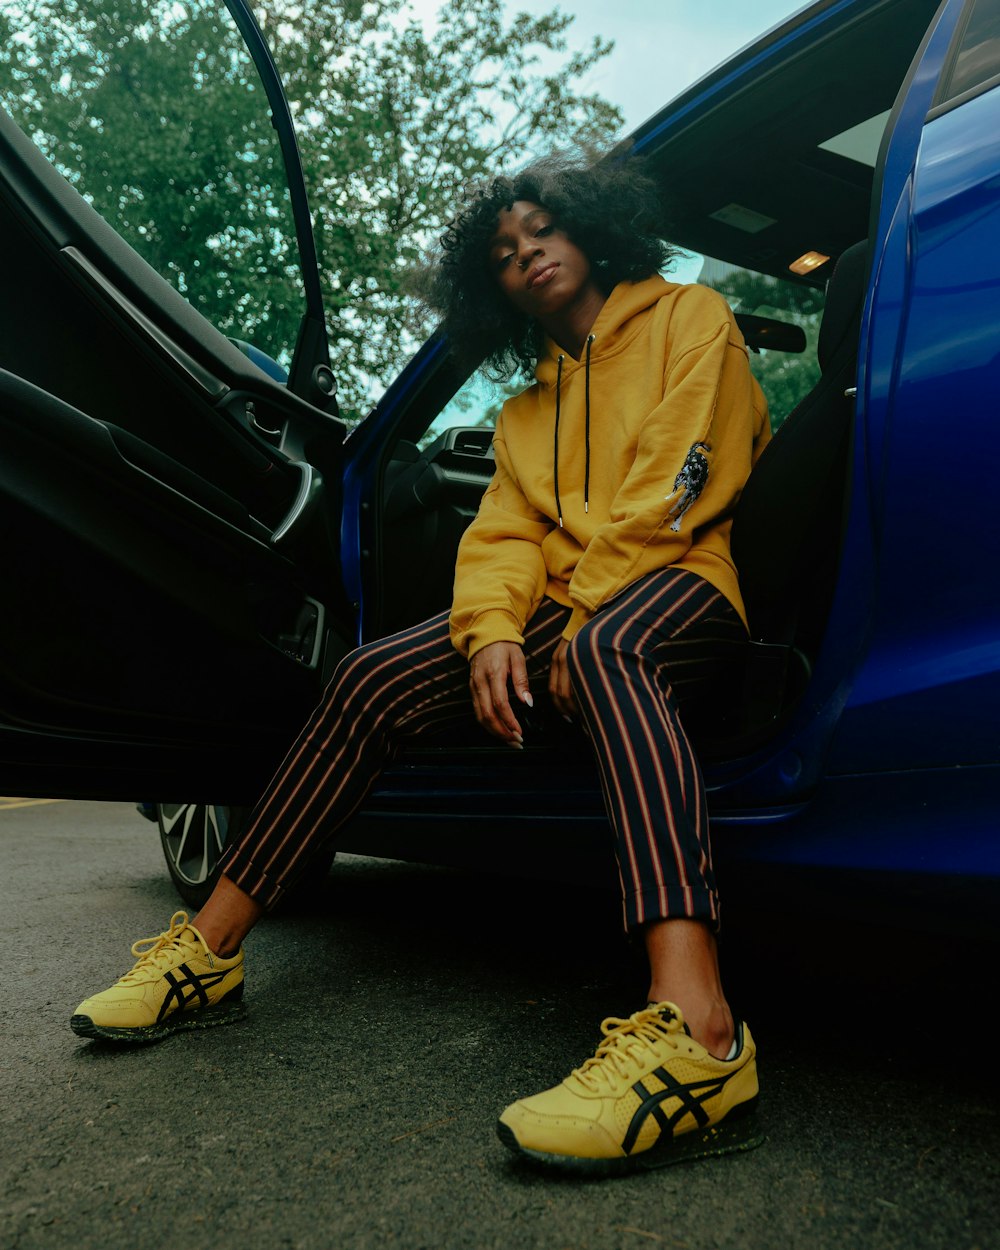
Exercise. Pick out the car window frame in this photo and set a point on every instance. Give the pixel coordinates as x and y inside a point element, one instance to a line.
<point>310,375</point>
<point>943,102</point>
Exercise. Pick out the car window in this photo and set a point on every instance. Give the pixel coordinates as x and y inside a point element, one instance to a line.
<point>977,56</point>
<point>784,377</point>
<point>155,114</point>
<point>476,405</point>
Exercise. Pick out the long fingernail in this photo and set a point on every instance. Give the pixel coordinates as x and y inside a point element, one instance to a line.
<point>568,719</point>
<point>526,698</point>
<point>518,746</point>
<point>518,739</point>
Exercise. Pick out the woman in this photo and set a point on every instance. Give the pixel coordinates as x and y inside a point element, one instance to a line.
<point>599,564</point>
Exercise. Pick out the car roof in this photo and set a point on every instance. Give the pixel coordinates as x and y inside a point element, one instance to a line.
<point>738,154</point>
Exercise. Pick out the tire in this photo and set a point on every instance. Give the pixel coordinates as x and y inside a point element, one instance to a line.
<point>193,837</point>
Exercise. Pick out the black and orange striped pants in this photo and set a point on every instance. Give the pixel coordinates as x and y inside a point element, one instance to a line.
<point>668,645</point>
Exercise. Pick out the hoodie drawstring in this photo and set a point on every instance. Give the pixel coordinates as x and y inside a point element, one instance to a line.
<point>555,451</point>
<point>586,392</point>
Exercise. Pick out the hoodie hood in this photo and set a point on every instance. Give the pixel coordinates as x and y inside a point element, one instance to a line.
<point>610,333</point>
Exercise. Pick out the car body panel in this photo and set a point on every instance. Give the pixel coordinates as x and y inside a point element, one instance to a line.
<point>927,694</point>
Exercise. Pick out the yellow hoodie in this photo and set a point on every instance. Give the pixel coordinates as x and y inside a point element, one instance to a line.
<point>675,422</point>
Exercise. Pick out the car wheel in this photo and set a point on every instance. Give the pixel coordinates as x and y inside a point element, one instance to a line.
<point>193,836</point>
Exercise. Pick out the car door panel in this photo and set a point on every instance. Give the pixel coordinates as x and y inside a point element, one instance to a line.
<point>190,594</point>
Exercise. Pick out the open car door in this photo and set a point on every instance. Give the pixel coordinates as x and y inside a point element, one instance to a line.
<point>169,509</point>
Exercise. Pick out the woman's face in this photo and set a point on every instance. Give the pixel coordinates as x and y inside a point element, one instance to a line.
<point>536,264</point>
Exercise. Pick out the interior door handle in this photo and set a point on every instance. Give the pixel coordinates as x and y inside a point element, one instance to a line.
<point>310,489</point>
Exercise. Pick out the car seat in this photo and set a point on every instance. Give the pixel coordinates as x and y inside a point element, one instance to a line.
<point>788,523</point>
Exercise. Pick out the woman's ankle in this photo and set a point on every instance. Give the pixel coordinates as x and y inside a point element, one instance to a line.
<point>227,918</point>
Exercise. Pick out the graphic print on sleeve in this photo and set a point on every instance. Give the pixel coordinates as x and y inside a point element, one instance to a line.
<point>690,482</point>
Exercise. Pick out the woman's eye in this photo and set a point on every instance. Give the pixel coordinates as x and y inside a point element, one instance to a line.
<point>543,230</point>
<point>504,261</point>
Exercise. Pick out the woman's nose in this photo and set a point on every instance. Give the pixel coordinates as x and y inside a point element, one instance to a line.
<point>527,252</point>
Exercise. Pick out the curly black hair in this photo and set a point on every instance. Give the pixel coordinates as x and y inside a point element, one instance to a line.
<point>611,210</point>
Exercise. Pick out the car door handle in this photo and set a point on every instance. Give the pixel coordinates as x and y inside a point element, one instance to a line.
<point>306,498</point>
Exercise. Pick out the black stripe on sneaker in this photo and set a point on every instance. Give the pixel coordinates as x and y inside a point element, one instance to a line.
<point>655,1110</point>
<point>177,999</point>
<point>691,1098</point>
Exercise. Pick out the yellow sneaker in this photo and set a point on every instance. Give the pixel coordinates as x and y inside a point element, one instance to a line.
<point>177,984</point>
<point>651,1095</point>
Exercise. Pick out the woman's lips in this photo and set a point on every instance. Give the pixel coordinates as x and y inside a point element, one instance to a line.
<point>542,274</point>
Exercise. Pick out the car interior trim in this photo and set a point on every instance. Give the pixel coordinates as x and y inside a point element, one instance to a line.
<point>206,382</point>
<point>310,488</point>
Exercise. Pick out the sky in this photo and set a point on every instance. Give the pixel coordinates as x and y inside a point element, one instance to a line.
<point>661,46</point>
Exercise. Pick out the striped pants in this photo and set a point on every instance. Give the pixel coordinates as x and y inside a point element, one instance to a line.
<point>669,641</point>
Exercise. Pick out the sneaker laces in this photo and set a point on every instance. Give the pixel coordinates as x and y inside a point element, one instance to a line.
<point>151,952</point>
<point>626,1043</point>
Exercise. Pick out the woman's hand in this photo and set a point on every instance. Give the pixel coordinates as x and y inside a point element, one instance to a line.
<point>560,687</point>
<point>489,673</point>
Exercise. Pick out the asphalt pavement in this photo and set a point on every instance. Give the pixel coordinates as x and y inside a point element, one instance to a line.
<point>394,1015</point>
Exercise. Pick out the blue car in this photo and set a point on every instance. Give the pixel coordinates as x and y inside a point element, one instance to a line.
<point>192,540</point>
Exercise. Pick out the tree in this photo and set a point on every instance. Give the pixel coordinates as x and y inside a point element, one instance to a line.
<point>154,111</point>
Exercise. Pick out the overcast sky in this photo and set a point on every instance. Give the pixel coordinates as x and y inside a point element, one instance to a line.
<point>663,45</point>
<point>660,45</point>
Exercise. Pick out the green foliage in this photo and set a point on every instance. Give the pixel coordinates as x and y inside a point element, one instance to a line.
<point>784,378</point>
<point>157,116</point>
<point>155,112</point>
